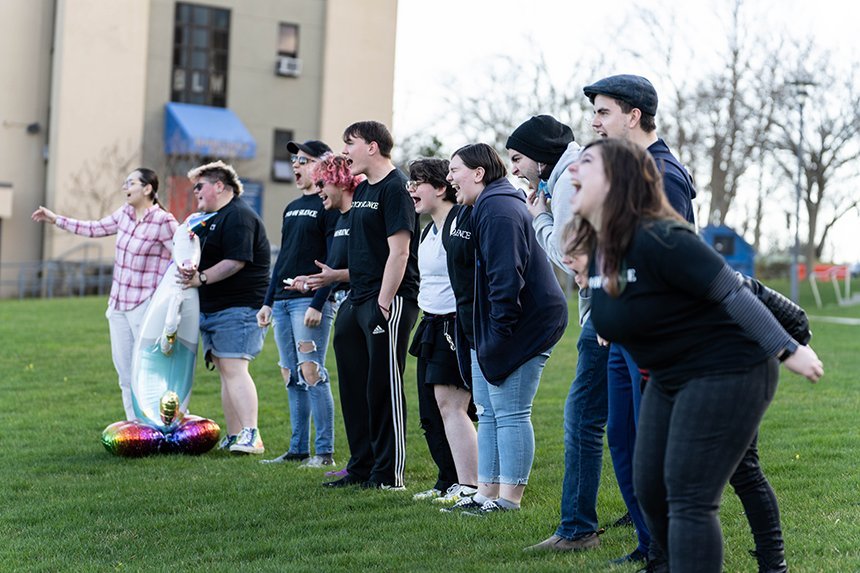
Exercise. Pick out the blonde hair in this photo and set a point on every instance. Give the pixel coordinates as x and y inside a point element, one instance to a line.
<point>218,171</point>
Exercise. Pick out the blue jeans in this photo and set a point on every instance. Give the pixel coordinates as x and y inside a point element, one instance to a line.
<point>305,400</point>
<point>691,438</point>
<point>506,439</point>
<point>584,419</point>
<point>625,394</point>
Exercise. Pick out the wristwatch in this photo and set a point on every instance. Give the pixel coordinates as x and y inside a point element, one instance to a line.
<point>789,349</point>
<point>202,277</point>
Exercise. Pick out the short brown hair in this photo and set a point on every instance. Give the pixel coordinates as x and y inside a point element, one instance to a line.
<point>218,171</point>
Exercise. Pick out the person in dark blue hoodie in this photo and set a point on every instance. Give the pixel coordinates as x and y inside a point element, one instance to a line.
<point>520,314</point>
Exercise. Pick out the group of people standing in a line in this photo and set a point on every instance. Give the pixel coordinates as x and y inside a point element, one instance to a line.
<point>677,359</point>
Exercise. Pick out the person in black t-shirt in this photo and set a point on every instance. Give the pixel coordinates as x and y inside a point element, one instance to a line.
<point>710,346</point>
<point>232,279</point>
<point>383,273</point>
<point>336,185</point>
<point>303,318</point>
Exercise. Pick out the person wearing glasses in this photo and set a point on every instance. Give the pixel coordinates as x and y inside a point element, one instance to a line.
<point>144,244</point>
<point>232,280</point>
<point>444,397</point>
<point>303,317</point>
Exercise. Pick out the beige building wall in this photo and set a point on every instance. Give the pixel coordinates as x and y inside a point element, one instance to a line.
<point>108,78</point>
<point>25,42</point>
<point>358,82</point>
<point>97,103</point>
<point>263,100</point>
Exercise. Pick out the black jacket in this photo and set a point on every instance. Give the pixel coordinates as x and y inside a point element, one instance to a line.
<point>520,309</point>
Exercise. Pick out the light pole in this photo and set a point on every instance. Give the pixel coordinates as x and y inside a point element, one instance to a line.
<point>801,90</point>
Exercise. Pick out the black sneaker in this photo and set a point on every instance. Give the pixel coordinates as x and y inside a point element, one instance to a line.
<point>370,484</point>
<point>287,457</point>
<point>623,521</point>
<point>635,557</point>
<point>489,507</point>
<point>464,503</point>
<point>345,481</point>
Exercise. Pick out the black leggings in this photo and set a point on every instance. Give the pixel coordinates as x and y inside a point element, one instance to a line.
<point>690,441</point>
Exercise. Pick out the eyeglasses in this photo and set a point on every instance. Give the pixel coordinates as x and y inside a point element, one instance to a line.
<point>199,185</point>
<point>128,183</point>
<point>413,185</point>
<point>320,184</point>
<point>301,160</point>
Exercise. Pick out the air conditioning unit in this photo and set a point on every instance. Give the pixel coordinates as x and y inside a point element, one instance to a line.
<point>288,66</point>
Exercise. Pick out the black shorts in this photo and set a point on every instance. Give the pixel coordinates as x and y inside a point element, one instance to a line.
<point>433,344</point>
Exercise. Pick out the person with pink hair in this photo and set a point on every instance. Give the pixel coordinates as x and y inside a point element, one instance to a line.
<point>336,185</point>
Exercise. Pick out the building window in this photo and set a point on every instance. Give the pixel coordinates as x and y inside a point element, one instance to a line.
<point>288,62</point>
<point>201,41</point>
<point>282,166</point>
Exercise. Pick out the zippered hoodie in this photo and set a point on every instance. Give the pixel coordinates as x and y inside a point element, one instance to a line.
<point>520,309</point>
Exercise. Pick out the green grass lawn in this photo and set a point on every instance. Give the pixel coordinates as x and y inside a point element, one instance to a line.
<point>68,505</point>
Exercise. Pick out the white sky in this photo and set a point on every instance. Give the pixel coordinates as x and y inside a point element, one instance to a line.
<point>444,43</point>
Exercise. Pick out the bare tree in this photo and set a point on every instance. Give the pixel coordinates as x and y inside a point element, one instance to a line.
<point>95,186</point>
<point>831,148</point>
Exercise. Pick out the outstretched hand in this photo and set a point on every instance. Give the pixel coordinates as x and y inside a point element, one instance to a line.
<point>322,279</point>
<point>44,215</point>
<point>806,363</point>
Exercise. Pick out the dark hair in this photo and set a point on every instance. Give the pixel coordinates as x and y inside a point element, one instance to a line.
<point>635,195</point>
<point>646,121</point>
<point>482,155</point>
<point>435,172</point>
<point>149,177</point>
<point>371,131</point>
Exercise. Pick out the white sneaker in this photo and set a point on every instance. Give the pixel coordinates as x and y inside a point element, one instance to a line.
<point>455,493</point>
<point>428,494</point>
<point>248,442</point>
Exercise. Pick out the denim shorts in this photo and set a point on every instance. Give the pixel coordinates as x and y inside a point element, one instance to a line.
<point>231,333</point>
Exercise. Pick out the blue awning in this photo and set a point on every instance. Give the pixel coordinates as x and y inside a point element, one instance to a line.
<point>208,131</point>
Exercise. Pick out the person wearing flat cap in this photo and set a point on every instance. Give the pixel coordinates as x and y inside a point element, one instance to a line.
<point>624,107</point>
<point>303,317</point>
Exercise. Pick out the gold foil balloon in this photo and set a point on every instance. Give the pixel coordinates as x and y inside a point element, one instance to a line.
<point>169,408</point>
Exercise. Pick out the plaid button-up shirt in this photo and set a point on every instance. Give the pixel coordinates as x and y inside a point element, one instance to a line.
<point>142,250</point>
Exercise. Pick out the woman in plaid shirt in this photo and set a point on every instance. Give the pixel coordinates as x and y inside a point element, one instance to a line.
<point>144,244</point>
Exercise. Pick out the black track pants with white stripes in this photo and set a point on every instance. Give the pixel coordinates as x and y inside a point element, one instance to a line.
<point>352,365</point>
<point>384,344</point>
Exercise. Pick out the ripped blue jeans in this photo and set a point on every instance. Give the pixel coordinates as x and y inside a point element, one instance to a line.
<point>298,344</point>
<point>506,438</point>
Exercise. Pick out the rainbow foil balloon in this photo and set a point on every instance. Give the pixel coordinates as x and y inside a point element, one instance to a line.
<point>165,355</point>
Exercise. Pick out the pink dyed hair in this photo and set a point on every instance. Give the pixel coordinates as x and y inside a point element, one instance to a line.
<point>334,170</point>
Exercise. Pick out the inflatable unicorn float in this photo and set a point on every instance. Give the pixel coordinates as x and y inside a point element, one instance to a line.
<point>165,355</point>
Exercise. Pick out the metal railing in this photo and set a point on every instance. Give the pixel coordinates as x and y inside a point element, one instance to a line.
<point>87,274</point>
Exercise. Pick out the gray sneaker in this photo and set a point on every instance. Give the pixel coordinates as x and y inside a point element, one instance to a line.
<point>320,461</point>
<point>558,543</point>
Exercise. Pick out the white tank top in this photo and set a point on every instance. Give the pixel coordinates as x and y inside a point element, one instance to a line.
<point>435,294</point>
